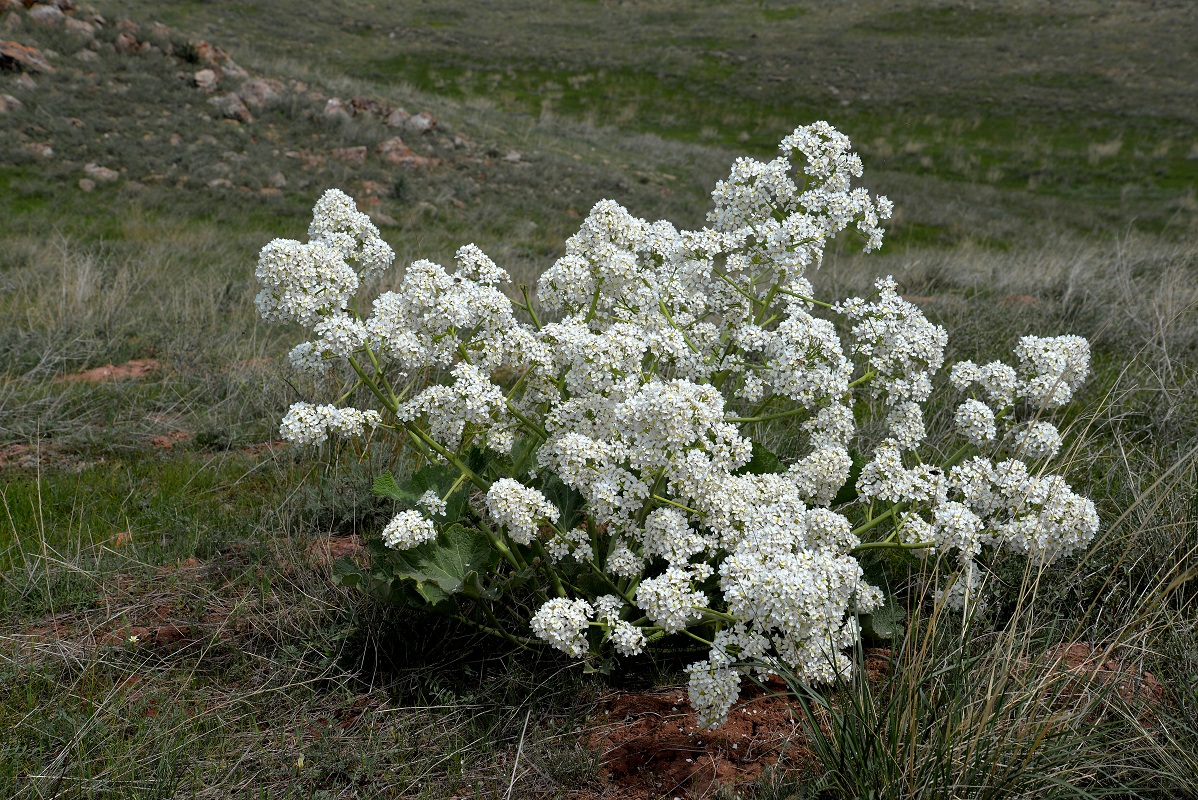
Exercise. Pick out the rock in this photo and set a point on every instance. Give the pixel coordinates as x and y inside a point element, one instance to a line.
<point>127,25</point>
<point>420,123</point>
<point>9,103</point>
<point>17,57</point>
<point>270,191</point>
<point>373,188</point>
<point>40,149</point>
<point>398,118</point>
<point>335,109</point>
<point>260,92</point>
<point>214,56</point>
<point>12,22</point>
<point>366,105</point>
<point>277,180</point>
<point>125,43</point>
<point>220,183</point>
<point>206,79</point>
<point>102,174</point>
<point>160,31</point>
<point>26,83</point>
<point>80,27</point>
<point>46,15</point>
<point>87,56</point>
<point>86,184</point>
<point>513,157</point>
<point>232,107</point>
<point>350,155</point>
<point>176,140</point>
<point>398,154</point>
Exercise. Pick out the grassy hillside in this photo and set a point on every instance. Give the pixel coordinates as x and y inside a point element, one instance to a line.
<point>169,627</point>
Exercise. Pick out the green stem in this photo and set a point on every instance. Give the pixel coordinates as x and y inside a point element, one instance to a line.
<point>780,415</point>
<point>805,298</point>
<point>528,305</point>
<point>862,379</point>
<point>890,545</point>
<point>666,501</point>
<point>528,423</point>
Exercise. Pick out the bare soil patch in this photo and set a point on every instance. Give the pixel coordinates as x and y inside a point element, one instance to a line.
<point>137,368</point>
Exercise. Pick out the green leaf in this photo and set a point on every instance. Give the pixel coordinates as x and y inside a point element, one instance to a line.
<point>567,499</point>
<point>431,477</point>
<point>884,624</point>
<point>763,462</point>
<point>440,568</point>
<point>848,492</point>
<point>346,572</point>
<point>385,486</point>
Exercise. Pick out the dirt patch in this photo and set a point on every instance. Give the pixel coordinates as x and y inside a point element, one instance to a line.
<point>324,552</point>
<point>137,368</point>
<point>1088,669</point>
<point>261,448</point>
<point>167,441</point>
<point>653,747</point>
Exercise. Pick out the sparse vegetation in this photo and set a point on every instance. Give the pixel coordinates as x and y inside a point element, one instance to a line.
<point>169,626</point>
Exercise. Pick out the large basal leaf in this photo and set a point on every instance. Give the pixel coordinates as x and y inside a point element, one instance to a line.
<point>431,477</point>
<point>848,492</point>
<point>568,500</point>
<point>762,462</point>
<point>446,565</point>
<point>885,624</point>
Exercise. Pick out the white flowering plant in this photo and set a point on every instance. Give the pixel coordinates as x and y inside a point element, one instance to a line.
<point>588,459</point>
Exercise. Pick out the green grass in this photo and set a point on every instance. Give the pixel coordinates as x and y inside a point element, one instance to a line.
<point>1031,153</point>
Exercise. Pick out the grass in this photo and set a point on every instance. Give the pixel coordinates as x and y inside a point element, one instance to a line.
<point>1073,214</point>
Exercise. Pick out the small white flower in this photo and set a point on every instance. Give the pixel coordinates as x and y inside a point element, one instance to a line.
<point>975,421</point>
<point>563,623</point>
<point>408,529</point>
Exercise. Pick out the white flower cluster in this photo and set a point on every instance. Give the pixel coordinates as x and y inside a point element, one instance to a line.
<point>408,529</point>
<point>519,509</point>
<point>563,623</point>
<point>658,346</point>
<point>305,423</point>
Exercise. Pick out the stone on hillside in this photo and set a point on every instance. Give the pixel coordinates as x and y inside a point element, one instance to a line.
<point>260,92</point>
<point>87,56</point>
<point>80,27</point>
<point>127,25</point>
<point>9,103</point>
<point>17,57</point>
<point>398,154</point>
<point>125,43</point>
<point>102,174</point>
<point>206,79</point>
<point>26,83</point>
<point>86,184</point>
<point>232,107</point>
<point>420,123</point>
<point>367,105</point>
<point>350,155</point>
<point>335,109</point>
<point>46,15</point>
<point>161,31</point>
<point>398,118</point>
<point>278,180</point>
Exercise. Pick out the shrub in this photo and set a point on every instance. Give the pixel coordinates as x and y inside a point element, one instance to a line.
<point>597,463</point>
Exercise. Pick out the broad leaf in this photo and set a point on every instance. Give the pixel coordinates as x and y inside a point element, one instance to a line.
<point>848,492</point>
<point>431,477</point>
<point>442,567</point>
<point>884,624</point>
<point>762,462</point>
